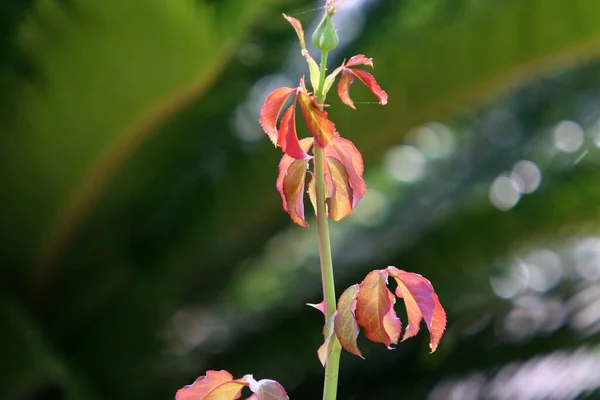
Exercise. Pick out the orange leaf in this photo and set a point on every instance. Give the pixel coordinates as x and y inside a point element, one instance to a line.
<point>215,385</point>
<point>269,113</point>
<point>345,151</point>
<point>345,325</point>
<point>391,322</point>
<point>372,305</point>
<point>340,204</point>
<point>346,80</point>
<point>288,138</point>
<point>322,129</point>
<point>290,184</point>
<point>298,28</point>
<point>421,303</point>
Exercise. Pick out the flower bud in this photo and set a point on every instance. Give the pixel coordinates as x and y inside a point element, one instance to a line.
<point>325,37</point>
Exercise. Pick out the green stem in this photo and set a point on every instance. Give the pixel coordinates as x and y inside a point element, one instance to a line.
<point>333,361</point>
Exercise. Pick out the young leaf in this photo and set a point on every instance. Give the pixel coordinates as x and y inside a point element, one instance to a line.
<point>345,151</point>
<point>340,204</point>
<point>322,129</point>
<point>324,350</point>
<point>372,305</point>
<point>346,80</point>
<point>359,59</point>
<point>215,385</point>
<point>312,64</point>
<point>391,322</point>
<point>328,329</point>
<point>345,325</point>
<point>421,303</point>
<point>265,389</point>
<point>290,183</point>
<point>269,113</point>
<point>371,83</point>
<point>288,138</point>
<point>298,28</point>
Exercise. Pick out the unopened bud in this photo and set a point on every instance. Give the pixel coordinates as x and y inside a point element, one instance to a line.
<point>325,37</point>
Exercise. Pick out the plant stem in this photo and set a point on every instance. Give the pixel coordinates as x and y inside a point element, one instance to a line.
<point>333,361</point>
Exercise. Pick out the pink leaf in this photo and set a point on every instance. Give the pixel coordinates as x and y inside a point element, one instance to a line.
<point>215,385</point>
<point>345,151</point>
<point>269,113</point>
<point>290,183</point>
<point>421,303</point>
<point>266,389</point>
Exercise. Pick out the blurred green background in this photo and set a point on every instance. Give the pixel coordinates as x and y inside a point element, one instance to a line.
<point>142,240</point>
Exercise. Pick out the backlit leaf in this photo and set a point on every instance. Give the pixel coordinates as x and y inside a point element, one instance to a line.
<point>345,325</point>
<point>269,113</point>
<point>322,129</point>
<point>391,322</point>
<point>359,59</point>
<point>340,204</point>
<point>345,151</point>
<point>298,28</point>
<point>325,349</point>
<point>288,138</point>
<point>421,303</point>
<point>266,389</point>
<point>215,385</point>
<point>344,87</point>
<point>290,183</point>
<point>371,83</point>
<point>372,305</point>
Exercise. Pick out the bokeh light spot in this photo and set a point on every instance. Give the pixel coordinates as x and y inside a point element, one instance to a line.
<point>568,136</point>
<point>504,193</point>
<point>406,163</point>
<point>529,174</point>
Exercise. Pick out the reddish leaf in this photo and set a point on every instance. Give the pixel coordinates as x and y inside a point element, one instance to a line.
<point>266,389</point>
<point>346,80</point>
<point>288,138</point>
<point>215,385</point>
<point>292,191</point>
<point>269,113</point>
<point>290,183</point>
<point>345,151</point>
<point>345,325</point>
<point>372,305</point>
<point>421,303</point>
<point>359,59</point>
<point>391,322</point>
<point>371,83</point>
<point>322,129</point>
<point>298,28</point>
<point>340,204</point>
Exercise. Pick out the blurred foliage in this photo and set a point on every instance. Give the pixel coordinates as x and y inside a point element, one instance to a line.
<point>143,240</point>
